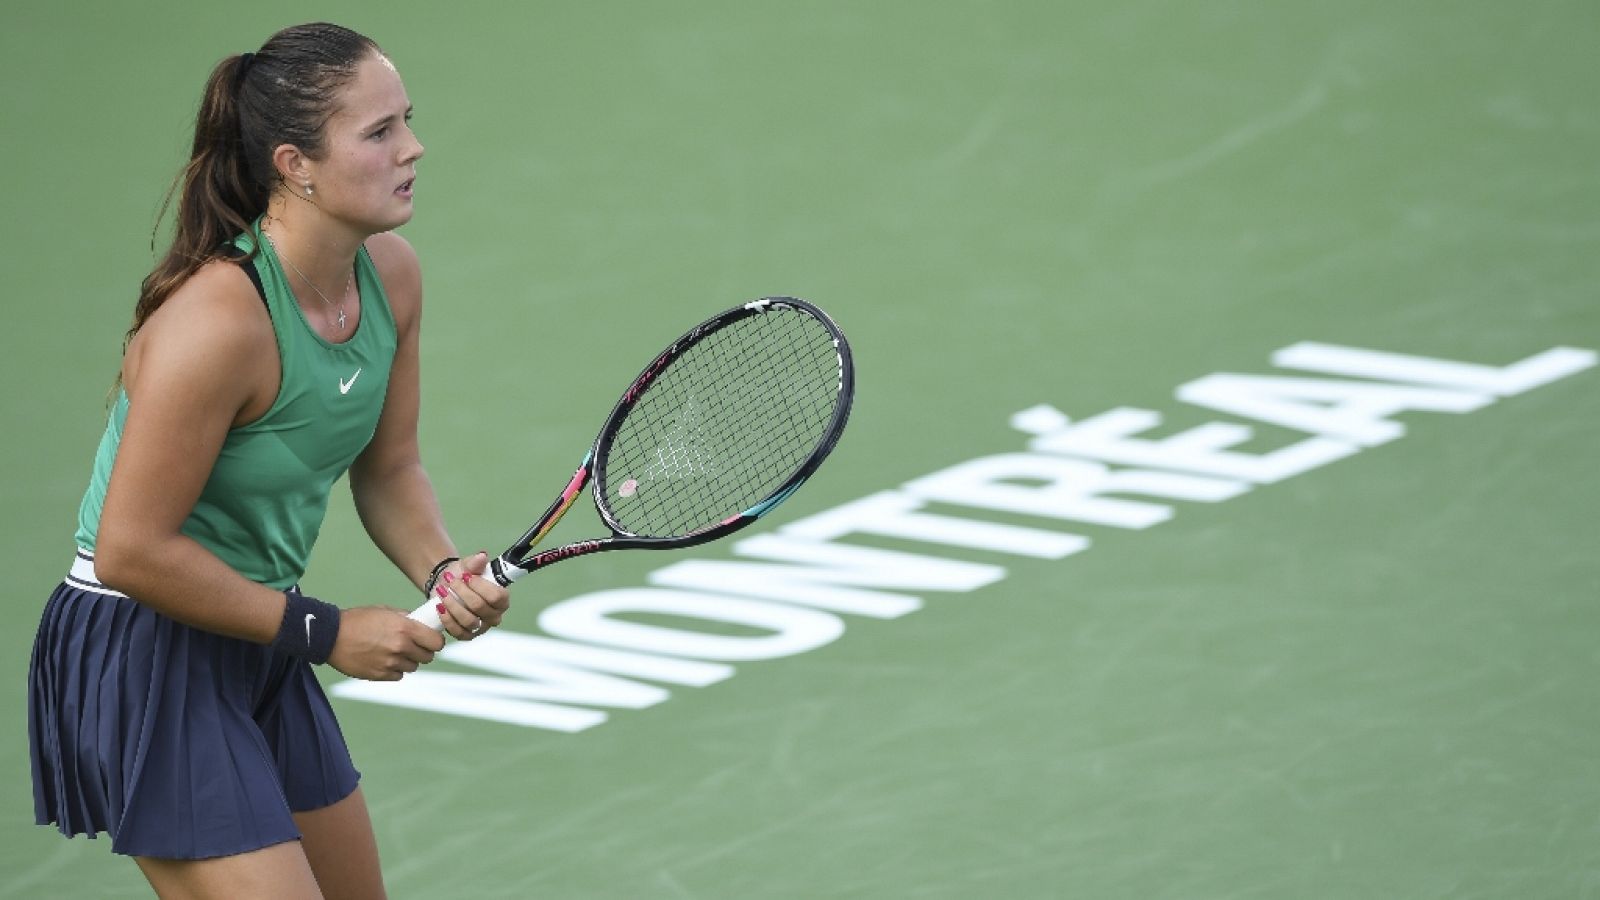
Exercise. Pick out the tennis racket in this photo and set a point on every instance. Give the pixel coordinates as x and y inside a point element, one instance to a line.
<point>719,429</point>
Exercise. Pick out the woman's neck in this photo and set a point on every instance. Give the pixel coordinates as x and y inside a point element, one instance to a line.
<point>319,249</point>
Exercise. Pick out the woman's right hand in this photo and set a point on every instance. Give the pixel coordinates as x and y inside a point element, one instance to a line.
<point>379,643</point>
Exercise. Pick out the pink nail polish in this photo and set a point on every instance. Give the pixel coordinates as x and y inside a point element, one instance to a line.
<point>441,592</point>
<point>466,577</point>
<point>448,577</point>
<point>440,608</point>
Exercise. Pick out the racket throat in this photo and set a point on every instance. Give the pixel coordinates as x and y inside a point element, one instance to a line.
<point>503,572</point>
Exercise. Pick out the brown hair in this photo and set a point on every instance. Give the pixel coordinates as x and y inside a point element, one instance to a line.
<point>281,94</point>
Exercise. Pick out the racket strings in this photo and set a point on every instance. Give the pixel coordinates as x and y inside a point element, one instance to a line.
<point>724,426</point>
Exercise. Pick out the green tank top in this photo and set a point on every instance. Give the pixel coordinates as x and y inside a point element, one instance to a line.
<point>267,495</point>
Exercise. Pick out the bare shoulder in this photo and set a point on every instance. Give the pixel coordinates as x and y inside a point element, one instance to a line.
<point>215,323</point>
<point>401,273</point>
<point>393,254</point>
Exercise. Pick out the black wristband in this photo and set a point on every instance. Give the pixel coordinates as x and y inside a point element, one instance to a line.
<point>433,577</point>
<point>309,627</point>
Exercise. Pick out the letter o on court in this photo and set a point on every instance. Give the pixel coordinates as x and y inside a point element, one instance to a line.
<point>592,618</point>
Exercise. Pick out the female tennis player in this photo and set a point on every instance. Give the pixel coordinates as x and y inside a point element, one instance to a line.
<point>274,348</point>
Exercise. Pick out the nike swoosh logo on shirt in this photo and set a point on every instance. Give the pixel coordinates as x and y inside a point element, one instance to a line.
<point>345,386</point>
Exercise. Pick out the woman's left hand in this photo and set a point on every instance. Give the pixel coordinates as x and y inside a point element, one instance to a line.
<point>474,602</point>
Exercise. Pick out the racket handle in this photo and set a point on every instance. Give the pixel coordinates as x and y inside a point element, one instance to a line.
<point>428,614</point>
<point>502,572</point>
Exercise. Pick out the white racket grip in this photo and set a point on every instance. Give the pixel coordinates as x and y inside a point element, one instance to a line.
<point>498,569</point>
<point>428,614</point>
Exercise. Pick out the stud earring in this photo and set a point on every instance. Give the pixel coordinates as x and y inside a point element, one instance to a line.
<point>308,190</point>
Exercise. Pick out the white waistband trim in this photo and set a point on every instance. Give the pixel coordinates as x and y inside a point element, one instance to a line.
<point>82,577</point>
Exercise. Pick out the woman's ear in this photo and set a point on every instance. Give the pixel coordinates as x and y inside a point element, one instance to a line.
<point>293,166</point>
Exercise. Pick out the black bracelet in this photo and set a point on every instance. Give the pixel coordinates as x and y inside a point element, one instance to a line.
<point>309,627</point>
<point>433,579</point>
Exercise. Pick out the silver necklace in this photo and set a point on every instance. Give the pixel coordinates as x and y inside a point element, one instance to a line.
<point>339,323</point>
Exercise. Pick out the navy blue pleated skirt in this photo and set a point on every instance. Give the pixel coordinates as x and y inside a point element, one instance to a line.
<point>178,743</point>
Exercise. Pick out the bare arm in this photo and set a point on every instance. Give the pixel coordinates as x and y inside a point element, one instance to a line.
<point>393,494</point>
<point>202,362</point>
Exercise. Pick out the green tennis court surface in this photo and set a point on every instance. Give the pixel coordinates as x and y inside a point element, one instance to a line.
<point>1122,584</point>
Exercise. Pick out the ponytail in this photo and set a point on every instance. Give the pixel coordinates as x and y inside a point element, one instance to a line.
<point>253,102</point>
<point>216,197</point>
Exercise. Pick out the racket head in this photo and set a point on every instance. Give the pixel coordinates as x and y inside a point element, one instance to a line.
<point>724,424</point>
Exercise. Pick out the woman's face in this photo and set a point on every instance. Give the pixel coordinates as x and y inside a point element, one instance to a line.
<point>365,177</point>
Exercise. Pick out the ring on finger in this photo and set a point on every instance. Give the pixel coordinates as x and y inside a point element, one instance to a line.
<point>477,627</point>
